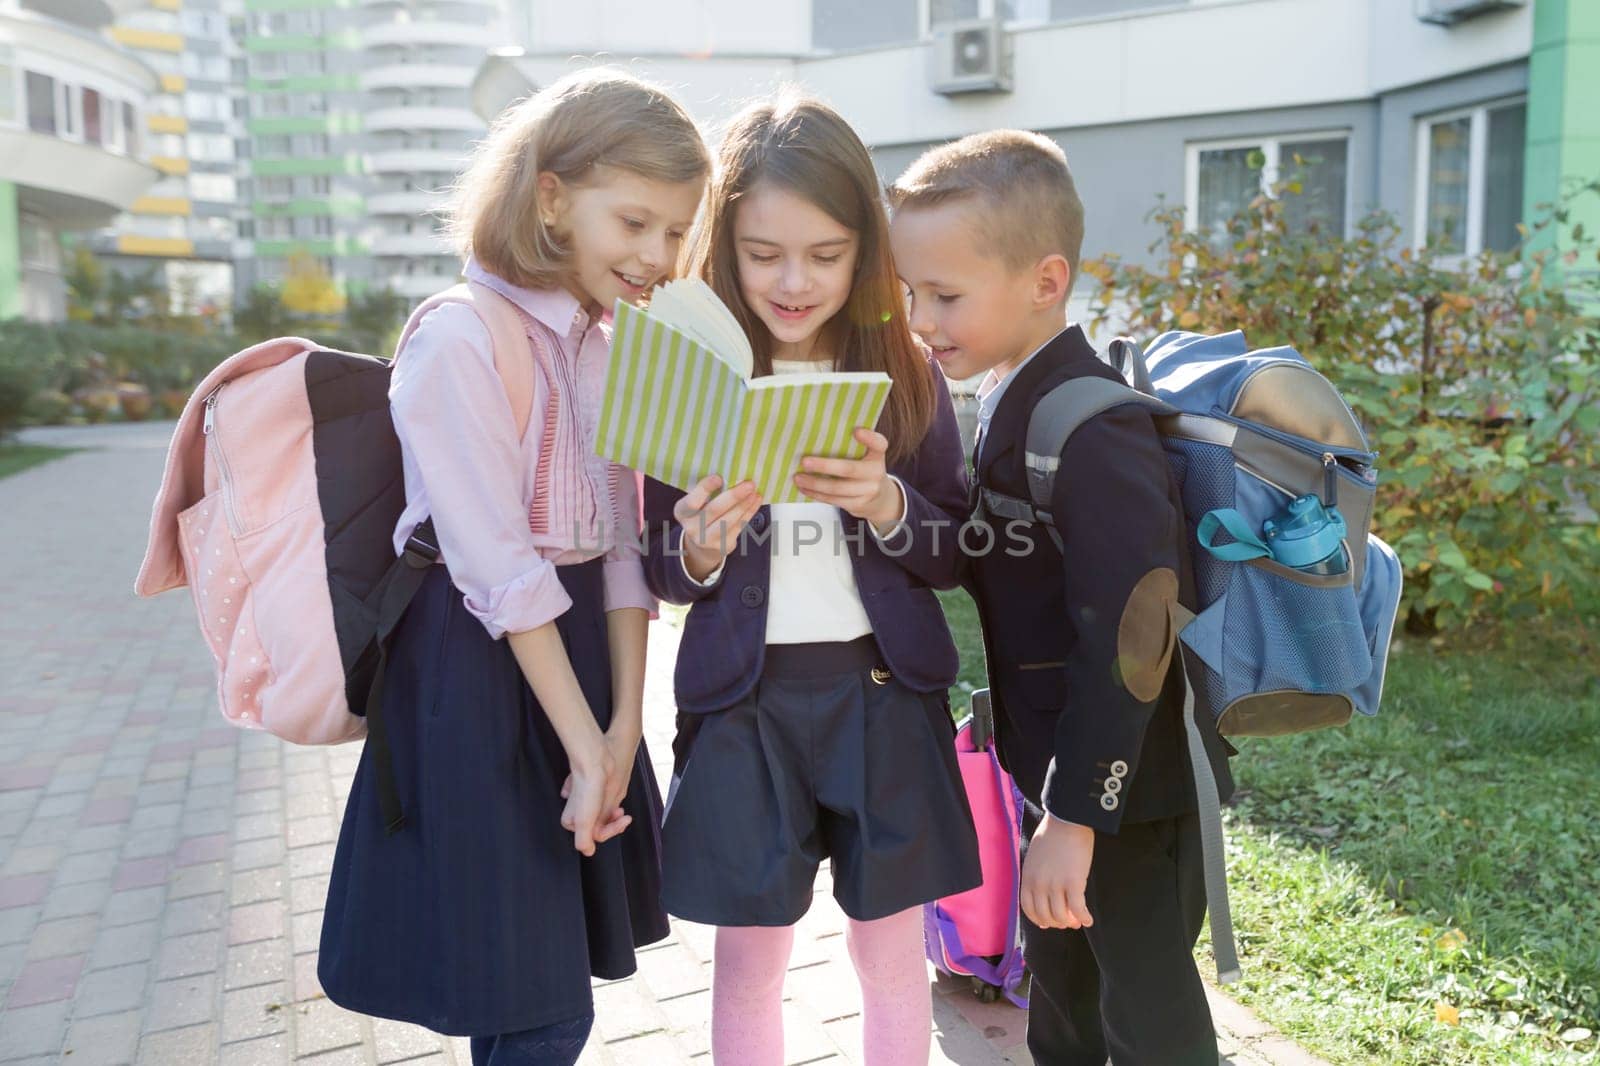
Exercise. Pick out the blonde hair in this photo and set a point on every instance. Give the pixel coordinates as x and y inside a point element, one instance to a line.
<point>592,118</point>
<point>1020,184</point>
<point>801,145</point>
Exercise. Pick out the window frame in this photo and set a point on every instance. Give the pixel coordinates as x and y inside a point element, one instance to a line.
<point>1477,170</point>
<point>1271,146</point>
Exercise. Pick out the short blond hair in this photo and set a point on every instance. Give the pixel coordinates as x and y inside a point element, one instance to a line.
<point>1020,184</point>
<point>598,117</point>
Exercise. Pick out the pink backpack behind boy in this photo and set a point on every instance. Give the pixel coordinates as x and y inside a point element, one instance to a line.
<point>978,933</point>
<point>277,507</point>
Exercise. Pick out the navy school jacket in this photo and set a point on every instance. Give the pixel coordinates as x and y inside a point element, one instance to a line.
<point>724,637</point>
<point>1088,720</point>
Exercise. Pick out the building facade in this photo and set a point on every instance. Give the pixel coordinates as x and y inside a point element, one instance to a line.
<point>1457,117</point>
<point>74,149</point>
<point>184,230</point>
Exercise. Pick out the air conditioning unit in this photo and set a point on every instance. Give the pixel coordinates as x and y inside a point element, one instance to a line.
<point>1450,12</point>
<point>971,56</point>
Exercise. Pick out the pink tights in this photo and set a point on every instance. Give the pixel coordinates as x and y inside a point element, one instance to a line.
<point>747,991</point>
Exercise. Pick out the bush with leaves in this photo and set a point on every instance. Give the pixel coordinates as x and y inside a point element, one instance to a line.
<point>1477,379</point>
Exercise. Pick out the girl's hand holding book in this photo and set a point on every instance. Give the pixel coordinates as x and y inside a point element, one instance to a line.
<point>712,522</point>
<point>862,486</point>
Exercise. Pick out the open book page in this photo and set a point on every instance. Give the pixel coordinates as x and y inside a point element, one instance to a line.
<point>676,411</point>
<point>689,305</point>
<point>670,407</point>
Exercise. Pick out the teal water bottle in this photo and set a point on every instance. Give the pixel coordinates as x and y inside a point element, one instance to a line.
<point>1307,536</point>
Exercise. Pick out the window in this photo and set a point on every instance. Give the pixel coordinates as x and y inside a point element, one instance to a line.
<point>41,93</point>
<point>1469,181</point>
<point>220,188</point>
<point>321,186</point>
<point>211,147</point>
<point>69,105</point>
<point>277,228</point>
<point>272,145</point>
<point>91,117</point>
<point>1224,177</point>
<point>130,130</point>
<point>8,87</point>
<point>274,188</point>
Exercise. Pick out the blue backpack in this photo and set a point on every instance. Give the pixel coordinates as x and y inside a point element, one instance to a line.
<point>1296,598</point>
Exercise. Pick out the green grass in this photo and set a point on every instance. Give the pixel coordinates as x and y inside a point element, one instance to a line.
<point>1437,862</point>
<point>15,458</point>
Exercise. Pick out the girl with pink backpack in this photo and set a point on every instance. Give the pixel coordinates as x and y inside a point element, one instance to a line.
<point>526,861</point>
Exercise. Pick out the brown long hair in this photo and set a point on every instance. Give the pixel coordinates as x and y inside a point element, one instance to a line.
<point>802,146</point>
<point>592,118</point>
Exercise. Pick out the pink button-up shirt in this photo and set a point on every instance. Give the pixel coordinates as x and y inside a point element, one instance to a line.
<point>507,512</point>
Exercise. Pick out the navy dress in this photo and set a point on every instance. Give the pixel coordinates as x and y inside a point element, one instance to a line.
<point>478,917</point>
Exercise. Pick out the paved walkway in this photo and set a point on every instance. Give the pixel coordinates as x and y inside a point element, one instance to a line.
<point>162,875</point>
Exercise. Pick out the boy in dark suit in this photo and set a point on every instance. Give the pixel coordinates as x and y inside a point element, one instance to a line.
<point>1080,641</point>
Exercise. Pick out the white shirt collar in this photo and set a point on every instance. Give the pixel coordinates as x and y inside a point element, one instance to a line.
<point>993,387</point>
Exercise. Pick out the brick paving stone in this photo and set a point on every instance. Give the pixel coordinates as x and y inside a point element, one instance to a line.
<point>45,981</point>
<point>257,963</point>
<point>182,1002</point>
<point>109,1040</point>
<point>65,936</point>
<point>188,955</point>
<point>37,1030</point>
<point>266,1051</point>
<point>194,1046</point>
<point>252,1012</point>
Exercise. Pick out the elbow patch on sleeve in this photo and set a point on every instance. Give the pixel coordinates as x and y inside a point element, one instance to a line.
<point>1145,634</point>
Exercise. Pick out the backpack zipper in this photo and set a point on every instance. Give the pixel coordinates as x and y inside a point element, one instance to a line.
<point>214,446</point>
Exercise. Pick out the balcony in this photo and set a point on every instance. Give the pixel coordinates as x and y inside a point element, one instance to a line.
<point>433,33</point>
<point>409,244</point>
<point>416,160</point>
<point>417,76</point>
<point>419,286</point>
<point>407,204</point>
<point>422,117</point>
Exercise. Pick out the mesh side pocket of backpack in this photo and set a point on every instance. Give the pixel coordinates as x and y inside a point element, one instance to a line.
<point>1287,630</point>
<point>1206,478</point>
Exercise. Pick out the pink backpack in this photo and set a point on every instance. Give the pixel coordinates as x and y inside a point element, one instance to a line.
<point>978,933</point>
<point>282,488</point>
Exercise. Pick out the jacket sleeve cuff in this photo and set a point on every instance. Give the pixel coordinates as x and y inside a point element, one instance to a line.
<point>625,587</point>
<point>711,579</point>
<point>1098,808</point>
<point>898,526</point>
<point>526,602</point>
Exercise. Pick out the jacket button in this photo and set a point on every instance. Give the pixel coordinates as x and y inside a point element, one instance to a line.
<point>1113,785</point>
<point>758,521</point>
<point>1119,769</point>
<point>1108,801</point>
<point>752,596</point>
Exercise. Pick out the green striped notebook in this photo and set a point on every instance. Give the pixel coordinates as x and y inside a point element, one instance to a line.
<point>678,411</point>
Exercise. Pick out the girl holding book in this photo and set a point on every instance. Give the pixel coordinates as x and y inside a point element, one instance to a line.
<point>527,860</point>
<point>813,673</point>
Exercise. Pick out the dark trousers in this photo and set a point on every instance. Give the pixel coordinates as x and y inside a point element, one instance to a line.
<point>1126,988</point>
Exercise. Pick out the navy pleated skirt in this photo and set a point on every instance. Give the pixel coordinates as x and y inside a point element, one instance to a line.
<point>478,917</point>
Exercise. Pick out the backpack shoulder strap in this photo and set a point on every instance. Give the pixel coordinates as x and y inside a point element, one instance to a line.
<point>510,341</point>
<point>1057,416</point>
